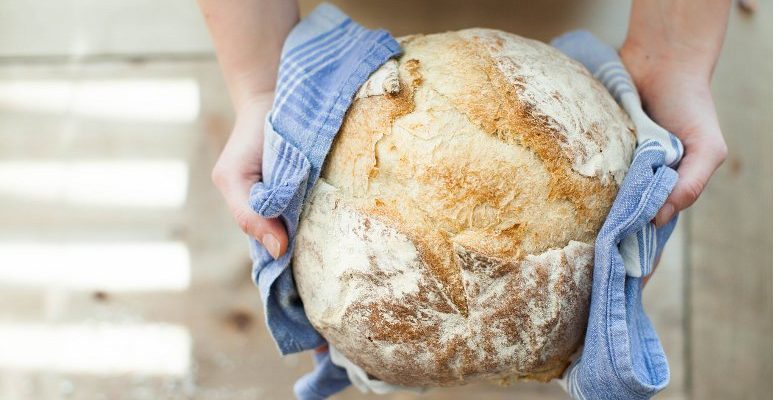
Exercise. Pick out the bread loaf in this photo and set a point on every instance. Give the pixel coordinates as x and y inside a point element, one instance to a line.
<point>450,237</point>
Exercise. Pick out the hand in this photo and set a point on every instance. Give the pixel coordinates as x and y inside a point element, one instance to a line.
<point>679,99</point>
<point>239,167</point>
<point>248,38</point>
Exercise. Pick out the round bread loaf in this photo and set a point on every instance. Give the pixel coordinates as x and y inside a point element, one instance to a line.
<point>450,237</point>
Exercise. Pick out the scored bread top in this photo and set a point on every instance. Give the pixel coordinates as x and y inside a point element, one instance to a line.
<point>493,161</point>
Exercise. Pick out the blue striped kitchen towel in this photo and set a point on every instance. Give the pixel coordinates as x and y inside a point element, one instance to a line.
<point>622,357</point>
<point>325,60</point>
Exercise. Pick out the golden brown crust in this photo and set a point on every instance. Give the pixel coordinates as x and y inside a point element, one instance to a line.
<point>520,123</point>
<point>390,316</point>
<point>483,195</point>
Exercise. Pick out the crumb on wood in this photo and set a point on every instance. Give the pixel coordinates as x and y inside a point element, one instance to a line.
<point>239,320</point>
<point>747,6</point>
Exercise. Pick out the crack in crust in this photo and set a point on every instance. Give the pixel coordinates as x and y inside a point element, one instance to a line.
<point>393,318</point>
<point>450,237</point>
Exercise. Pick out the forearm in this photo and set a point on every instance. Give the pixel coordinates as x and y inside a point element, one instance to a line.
<point>670,51</point>
<point>682,35</point>
<point>248,36</point>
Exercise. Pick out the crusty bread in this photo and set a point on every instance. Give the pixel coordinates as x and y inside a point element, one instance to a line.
<point>450,237</point>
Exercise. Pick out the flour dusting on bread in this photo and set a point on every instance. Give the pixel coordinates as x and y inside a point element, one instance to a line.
<point>450,237</point>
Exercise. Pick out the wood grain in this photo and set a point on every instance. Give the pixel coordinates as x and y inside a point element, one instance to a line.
<point>730,228</point>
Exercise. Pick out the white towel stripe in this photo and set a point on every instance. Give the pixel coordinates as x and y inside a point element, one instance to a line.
<point>298,67</point>
<point>292,64</point>
<point>297,82</point>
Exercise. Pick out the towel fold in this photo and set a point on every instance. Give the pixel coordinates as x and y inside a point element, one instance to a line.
<point>622,357</point>
<point>325,60</point>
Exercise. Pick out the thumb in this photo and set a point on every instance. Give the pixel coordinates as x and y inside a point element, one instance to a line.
<point>270,232</point>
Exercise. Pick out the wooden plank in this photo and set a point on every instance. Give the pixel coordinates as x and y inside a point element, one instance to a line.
<point>730,227</point>
<point>40,128</point>
<point>79,28</point>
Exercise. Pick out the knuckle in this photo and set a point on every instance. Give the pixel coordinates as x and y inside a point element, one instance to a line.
<point>721,151</point>
<point>218,176</point>
<point>715,149</point>
<point>243,219</point>
<point>691,191</point>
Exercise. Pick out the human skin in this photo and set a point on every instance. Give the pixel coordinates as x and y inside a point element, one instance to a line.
<point>248,36</point>
<point>671,50</point>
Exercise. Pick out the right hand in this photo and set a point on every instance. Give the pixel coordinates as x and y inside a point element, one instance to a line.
<point>240,166</point>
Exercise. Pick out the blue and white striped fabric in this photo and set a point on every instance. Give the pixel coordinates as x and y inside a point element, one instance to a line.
<point>325,60</point>
<point>605,65</point>
<point>326,380</point>
<point>622,357</point>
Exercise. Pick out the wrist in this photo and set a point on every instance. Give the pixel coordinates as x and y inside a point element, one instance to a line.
<point>658,72</point>
<point>250,88</point>
<point>648,58</point>
<point>684,36</point>
<point>253,103</point>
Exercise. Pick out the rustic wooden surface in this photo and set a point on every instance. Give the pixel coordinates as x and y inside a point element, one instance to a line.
<point>730,247</point>
<point>710,299</point>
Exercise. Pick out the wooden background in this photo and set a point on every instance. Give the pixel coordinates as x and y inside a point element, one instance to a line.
<point>710,300</point>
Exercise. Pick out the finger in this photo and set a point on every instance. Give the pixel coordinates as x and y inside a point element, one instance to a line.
<point>270,232</point>
<point>695,171</point>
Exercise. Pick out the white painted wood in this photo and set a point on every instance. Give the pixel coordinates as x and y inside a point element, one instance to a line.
<point>77,28</point>
<point>731,228</point>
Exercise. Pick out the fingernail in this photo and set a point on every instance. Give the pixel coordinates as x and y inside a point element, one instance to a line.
<point>664,215</point>
<point>271,244</point>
